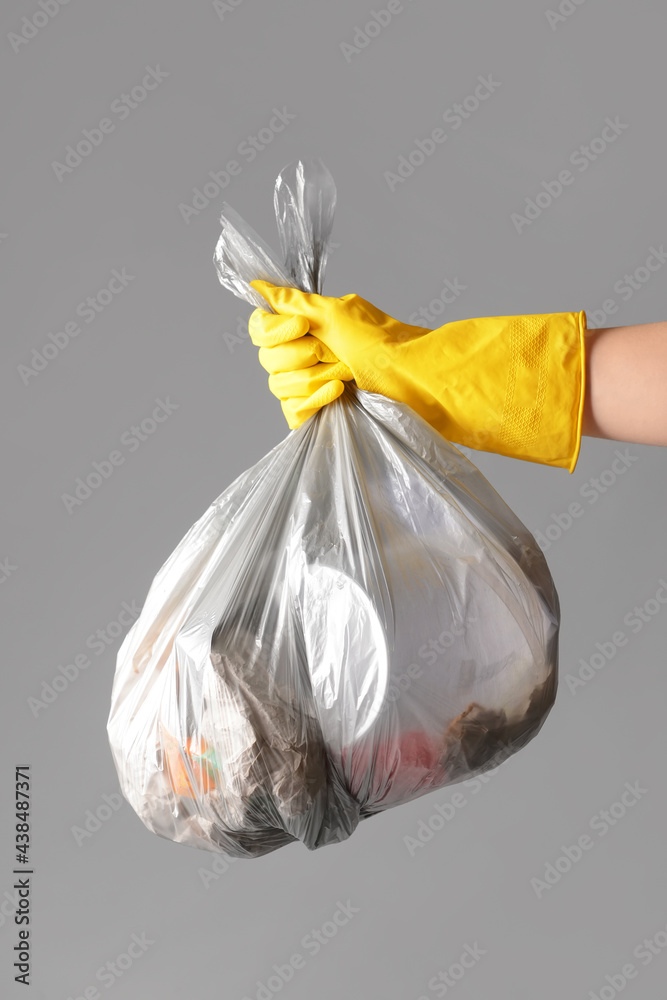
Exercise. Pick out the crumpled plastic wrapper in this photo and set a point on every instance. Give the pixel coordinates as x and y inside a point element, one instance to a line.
<point>357,620</point>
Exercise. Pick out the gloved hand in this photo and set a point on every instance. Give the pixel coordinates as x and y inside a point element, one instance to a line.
<point>507,384</point>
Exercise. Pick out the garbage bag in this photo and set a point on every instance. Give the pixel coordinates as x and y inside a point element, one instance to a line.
<point>357,620</point>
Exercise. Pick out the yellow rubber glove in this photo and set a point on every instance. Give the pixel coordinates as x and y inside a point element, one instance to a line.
<point>513,385</point>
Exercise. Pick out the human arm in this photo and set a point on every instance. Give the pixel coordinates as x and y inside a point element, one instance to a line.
<point>626,384</point>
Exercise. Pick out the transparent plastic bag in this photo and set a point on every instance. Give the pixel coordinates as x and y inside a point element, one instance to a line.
<point>357,620</point>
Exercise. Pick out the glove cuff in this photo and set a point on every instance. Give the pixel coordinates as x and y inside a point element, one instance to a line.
<point>513,385</point>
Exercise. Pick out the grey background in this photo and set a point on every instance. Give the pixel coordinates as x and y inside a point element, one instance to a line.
<point>163,336</point>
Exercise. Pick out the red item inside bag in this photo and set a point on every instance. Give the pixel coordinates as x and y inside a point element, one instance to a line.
<point>406,763</point>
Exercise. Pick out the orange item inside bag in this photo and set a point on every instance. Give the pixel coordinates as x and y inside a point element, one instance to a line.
<point>191,768</point>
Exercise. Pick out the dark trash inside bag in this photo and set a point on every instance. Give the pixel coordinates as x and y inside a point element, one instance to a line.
<point>358,620</point>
